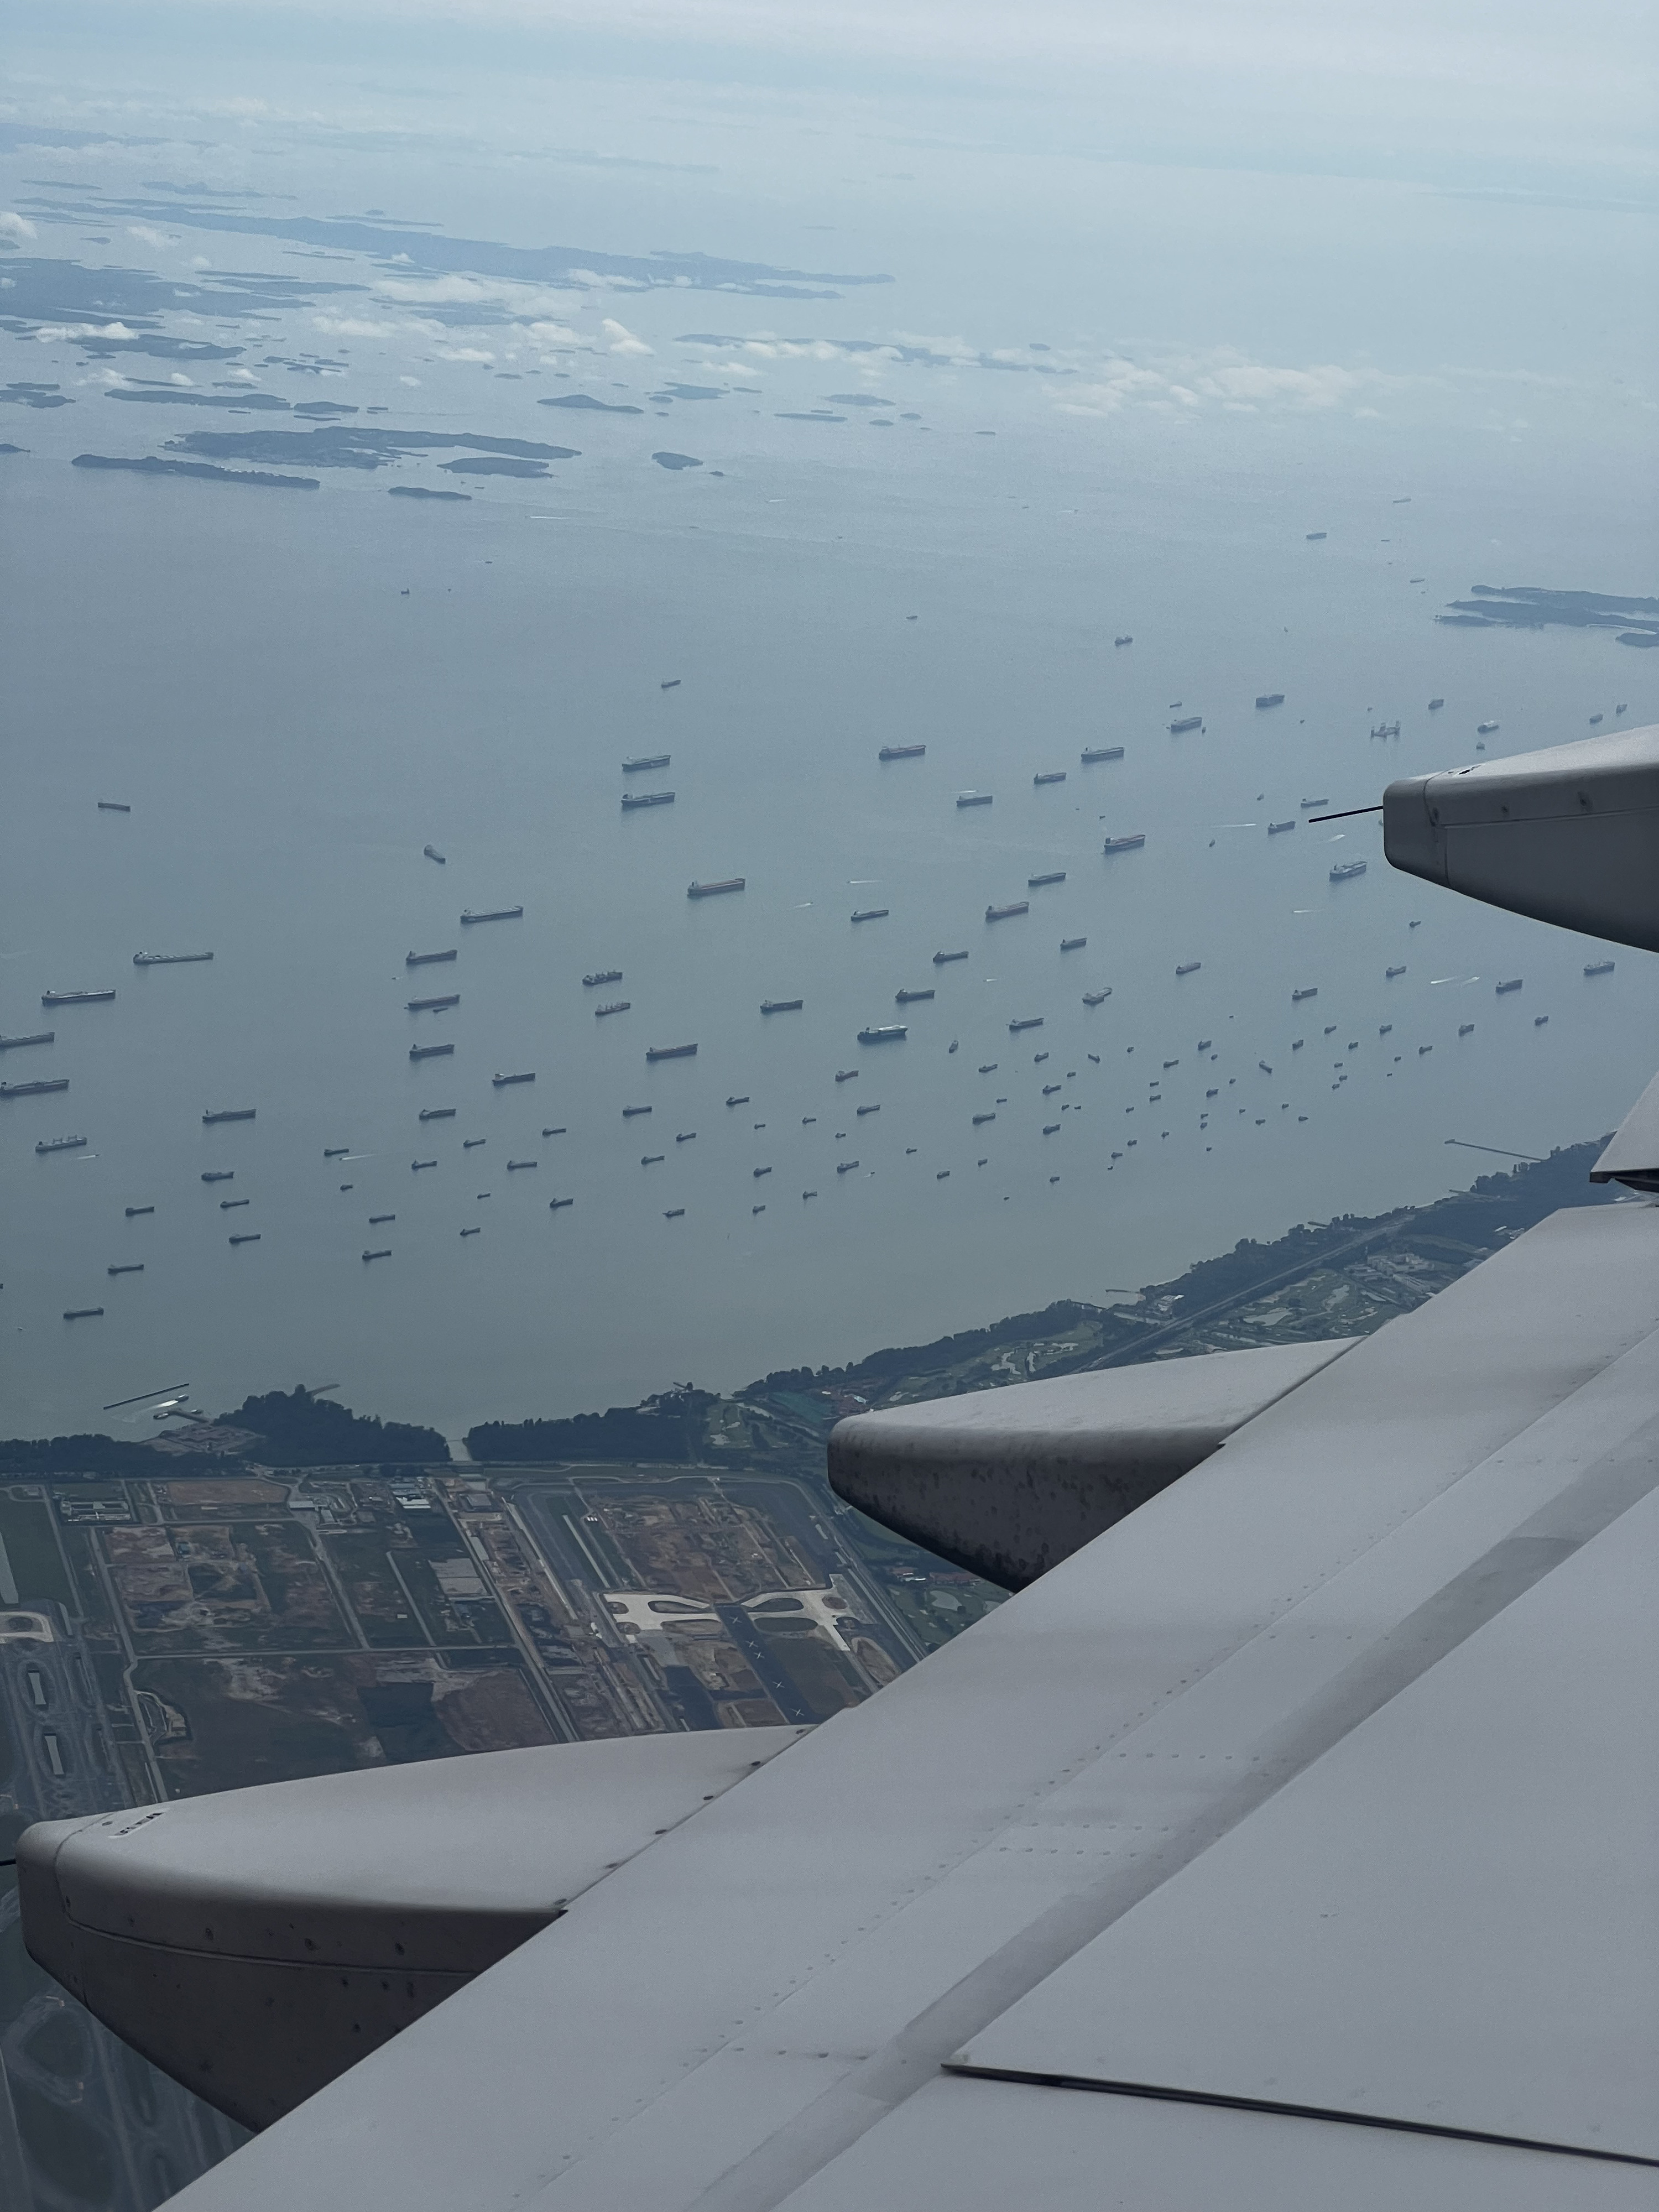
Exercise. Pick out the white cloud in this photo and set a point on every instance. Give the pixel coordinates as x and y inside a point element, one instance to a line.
<point>1225,380</point>
<point>620,339</point>
<point>350,326</point>
<point>179,378</point>
<point>413,382</point>
<point>17,228</point>
<point>523,301</point>
<point>242,376</point>
<point>56,333</point>
<point>469,353</point>
<point>147,234</point>
<point>200,261</point>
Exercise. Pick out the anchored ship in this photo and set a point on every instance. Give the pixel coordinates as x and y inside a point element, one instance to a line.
<point>1514,983</point>
<point>1037,883</point>
<point>981,1119</point>
<point>1188,722</point>
<point>944,959</point>
<point>975,799</point>
<point>61,1082</point>
<point>437,1112</point>
<point>1270,698</point>
<point>425,959</point>
<point>901,752</point>
<point>872,913</point>
<point>1485,729</point>
<point>1345,871</point>
<point>632,798</point>
<point>1029,1022</point>
<point>113,807</point>
<point>1093,753</point>
<point>1390,973</point>
<point>229,1114</point>
<point>782,1006</point>
<point>431,853</point>
<point>60,1144</point>
<point>642,760</point>
<point>1072,944</point>
<point>1311,992</point>
<point>882,1033</point>
<point>500,1082</point>
<point>908,998</point>
<point>602,975</point>
<point>616,1006</point>
<point>74,997</point>
<point>429,1051</point>
<point>432,1005</point>
<point>671,1052</point>
<point>1130,844</point>
<point>713,890</point>
<point>168,959</point>
<point>220,1174</point>
<point>40,1036</point>
<point>1599,968</point>
<point>1003,913</point>
<point>1277,828</point>
<point>1096,997</point>
<point>1049,775</point>
<point>495,913</point>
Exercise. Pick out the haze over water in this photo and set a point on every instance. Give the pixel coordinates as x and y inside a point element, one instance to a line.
<point>296,691</point>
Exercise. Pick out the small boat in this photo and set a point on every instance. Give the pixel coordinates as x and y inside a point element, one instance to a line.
<point>74,998</point>
<point>872,913</point>
<point>1466,1029</point>
<point>843,1075</point>
<point>34,1089</point>
<point>1203,1045</point>
<point>229,1114</point>
<point>168,959</point>
<point>631,1112</point>
<point>1513,983</point>
<point>674,1213</point>
<point>633,799</point>
<point>782,1006</point>
<point>1037,883</point>
<point>1096,997</point>
<point>1390,973</point>
<point>64,1144</point>
<point>1101,753</point>
<point>1538,1021</point>
<point>737,1098</point>
<point>1049,775</point>
<point>495,913</point>
<point>1434,705</point>
<point>247,1237</point>
<point>1186,722</point>
<point>437,1112</point>
<point>602,975</point>
<point>845,1167</point>
<point>514,1166</point>
<point>901,752</point>
<point>500,1082</point>
<point>988,1067</point>
<point>909,998</point>
<point>553,1204</point>
<point>431,853</point>
<point>127,1267</point>
<point>471,1144</point>
<point>1004,913</point>
<point>230,1205</point>
<point>883,1033</point>
<point>655,1052</point>
<point>375,1219</point>
<point>642,760</point>
<point>614,1006</point>
<point>713,890</point>
<point>1599,968</point>
<point>1072,944</point>
<point>1595,719</point>
<point>414,1166</point>
<point>981,1119</point>
<point>1028,1022</point>
<point>686,1137</point>
<point>132,1212</point>
<point>1188,967</point>
<point>1345,871</point>
<point>1309,805</point>
<point>759,1172</point>
<point>1485,729</point>
<point>559,1131</point>
<point>1130,844</point>
<point>429,1051</point>
<point>1122,640</point>
<point>46,1036</point>
<point>1314,536</point>
<point>975,799</point>
<point>863,1110</point>
<point>672,685</point>
<point>944,959</point>
<point>1310,991</point>
<point>1269,699</point>
<point>385,1253</point>
<point>113,807</point>
<point>425,959</point>
<point>1050,1128</point>
<point>1278,829</point>
<point>433,1006</point>
<point>81,1313</point>
<point>220,1174</point>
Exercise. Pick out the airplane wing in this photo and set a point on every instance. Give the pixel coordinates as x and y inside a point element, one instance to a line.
<point>1288,1844</point>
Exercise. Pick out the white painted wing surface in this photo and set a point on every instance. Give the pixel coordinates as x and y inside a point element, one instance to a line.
<point>1365,1662</point>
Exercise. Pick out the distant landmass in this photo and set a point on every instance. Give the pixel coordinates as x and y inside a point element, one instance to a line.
<point>596,406</point>
<point>424,491</point>
<point>152,465</point>
<point>1532,606</point>
<point>355,445</point>
<point>169,395</point>
<point>33,395</point>
<point>676,460</point>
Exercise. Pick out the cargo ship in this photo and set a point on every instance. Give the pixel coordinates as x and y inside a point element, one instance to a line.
<point>1269,699</point>
<point>514,1166</point>
<point>1037,883</point>
<point>1315,536</point>
<point>944,959</point>
<point>60,1144</point>
<point>229,1114</point>
<point>1345,871</point>
<point>842,1167</point>
<point>901,752</point>
<point>1004,913</point>
<point>40,1036</point>
<point>61,1082</point>
<point>975,799</point>
<point>674,1213</point>
<point>1049,775</point>
<point>1434,705</point>
<point>1485,729</point>
<point>1072,944</point>
<point>632,798</point>
<point>414,1166</point>
<point>559,1131</point>
<point>863,1110</point>
<point>220,1174</point>
<point>385,1253</point>
<point>431,853</point>
<point>882,1033</point>
<point>713,890</point>
<point>872,913</point>
<point>168,959</point>
<point>375,1219</point>
<point>495,913</point>
<point>1029,1022</point>
<point>129,1267</point>
<point>980,1119</point>
<point>501,1082</point>
<point>630,1113</point>
<point>1390,973</point>
<point>429,1051</point>
<point>1599,968</point>
<point>782,1006</point>
<point>74,997</point>
<point>1309,805</point>
<point>1466,1029</point>
<point>642,760</point>
<point>1186,722</point>
<point>1123,641</point>
<point>1094,753</point>
<point>553,1204</point>
<point>437,1112</point>
<point>1311,990</point>
<point>1130,844</point>
<point>113,807</point>
<point>1514,983</point>
<point>1386,730</point>
<point>425,959</point>
<point>81,1313</point>
<point>655,1052</point>
<point>1096,997</point>
<point>432,1005</point>
<point>339,1152</point>
<point>602,975</point>
<point>230,1205</point>
<point>132,1211</point>
<point>1278,829</point>
<point>843,1075</point>
<point>737,1098</point>
<point>614,1006</point>
<point>909,998</point>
